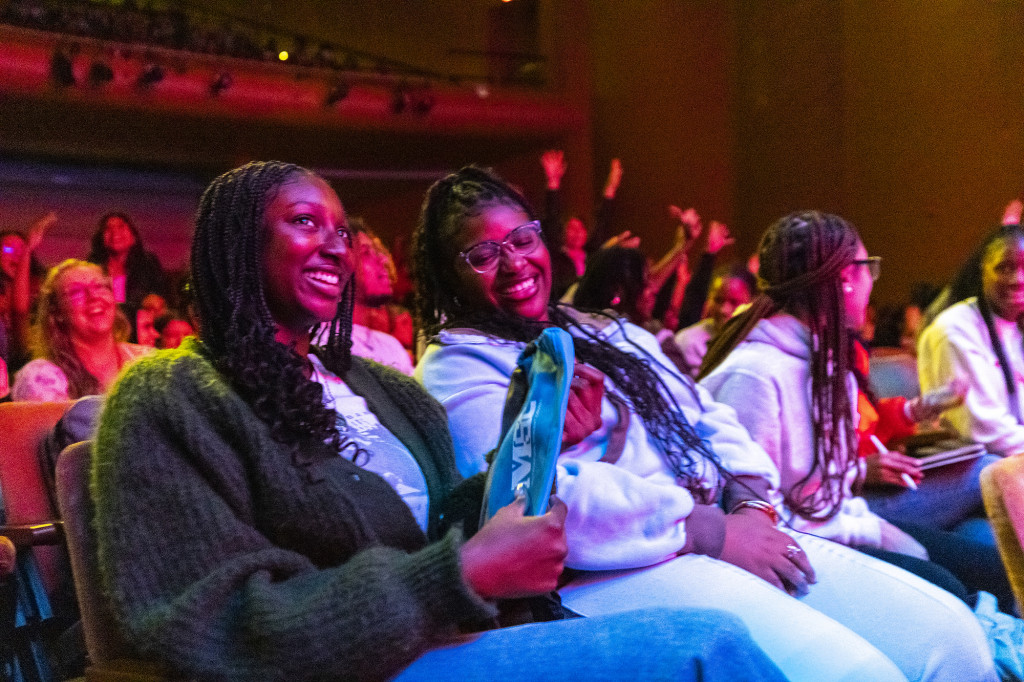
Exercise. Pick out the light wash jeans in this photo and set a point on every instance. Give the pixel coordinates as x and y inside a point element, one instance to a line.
<point>863,620</point>
<point>656,644</point>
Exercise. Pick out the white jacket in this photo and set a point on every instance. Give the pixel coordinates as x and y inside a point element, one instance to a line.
<point>622,515</point>
<point>957,344</point>
<point>767,380</point>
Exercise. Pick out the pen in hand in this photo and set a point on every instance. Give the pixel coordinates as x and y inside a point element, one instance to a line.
<point>905,477</point>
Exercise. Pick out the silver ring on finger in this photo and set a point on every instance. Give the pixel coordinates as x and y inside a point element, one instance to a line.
<point>792,551</point>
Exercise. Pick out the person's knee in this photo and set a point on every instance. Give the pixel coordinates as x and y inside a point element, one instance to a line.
<point>712,644</point>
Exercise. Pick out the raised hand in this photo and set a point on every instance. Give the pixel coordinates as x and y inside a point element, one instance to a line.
<point>690,219</point>
<point>553,162</point>
<point>517,556</point>
<point>38,230</point>
<point>1011,214</point>
<point>718,237</point>
<point>611,185</point>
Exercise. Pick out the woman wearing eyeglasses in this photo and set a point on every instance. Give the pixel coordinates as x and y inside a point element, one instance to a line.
<point>271,510</point>
<point>786,366</point>
<point>663,496</point>
<point>78,339</point>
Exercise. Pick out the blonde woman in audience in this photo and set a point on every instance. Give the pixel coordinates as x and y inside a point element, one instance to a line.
<point>78,339</point>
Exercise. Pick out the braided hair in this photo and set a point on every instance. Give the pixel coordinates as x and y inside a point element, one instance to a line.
<point>802,256</point>
<point>616,278</point>
<point>468,193</point>
<point>235,323</point>
<point>970,283</point>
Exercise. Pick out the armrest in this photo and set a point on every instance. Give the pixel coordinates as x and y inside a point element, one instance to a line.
<point>128,670</point>
<point>32,534</point>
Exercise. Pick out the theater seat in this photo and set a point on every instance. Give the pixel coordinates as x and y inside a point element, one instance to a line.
<point>111,658</point>
<point>1002,487</point>
<point>894,374</point>
<point>29,522</point>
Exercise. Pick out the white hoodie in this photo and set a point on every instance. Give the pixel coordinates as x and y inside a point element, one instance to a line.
<point>767,380</point>
<point>624,515</point>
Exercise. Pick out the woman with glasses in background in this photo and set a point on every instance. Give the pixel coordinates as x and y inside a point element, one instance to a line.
<point>78,339</point>
<point>786,365</point>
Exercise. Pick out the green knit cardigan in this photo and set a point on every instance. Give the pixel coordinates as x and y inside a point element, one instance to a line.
<point>226,561</point>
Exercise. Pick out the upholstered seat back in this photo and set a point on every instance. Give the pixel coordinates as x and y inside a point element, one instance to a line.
<point>23,484</point>
<point>1002,486</point>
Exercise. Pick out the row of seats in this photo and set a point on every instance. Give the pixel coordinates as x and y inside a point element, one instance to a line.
<point>44,542</point>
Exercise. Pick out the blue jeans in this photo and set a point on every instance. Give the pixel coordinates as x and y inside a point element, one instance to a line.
<point>654,644</point>
<point>947,498</point>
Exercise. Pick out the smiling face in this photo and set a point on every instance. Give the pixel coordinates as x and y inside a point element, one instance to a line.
<point>520,284</point>
<point>118,236</point>
<point>856,285</point>
<point>86,302</point>
<point>1002,277</point>
<point>307,256</point>
<point>12,249</point>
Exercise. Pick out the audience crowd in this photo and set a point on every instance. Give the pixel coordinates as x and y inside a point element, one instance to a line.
<point>310,420</point>
<point>171,27</point>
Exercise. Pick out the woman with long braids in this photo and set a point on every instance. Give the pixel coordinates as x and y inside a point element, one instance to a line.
<point>263,508</point>
<point>647,491</point>
<point>786,366</point>
<point>979,340</point>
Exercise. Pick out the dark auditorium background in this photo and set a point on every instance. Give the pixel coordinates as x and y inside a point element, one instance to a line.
<point>907,117</point>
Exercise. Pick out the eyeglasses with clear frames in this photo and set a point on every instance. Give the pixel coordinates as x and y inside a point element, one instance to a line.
<point>522,241</point>
<point>874,264</point>
<point>78,294</point>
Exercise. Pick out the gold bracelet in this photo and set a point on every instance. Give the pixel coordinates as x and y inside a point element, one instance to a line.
<point>759,505</point>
